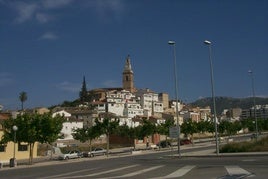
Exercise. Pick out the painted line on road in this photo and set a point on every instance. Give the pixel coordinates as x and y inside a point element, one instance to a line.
<point>138,172</point>
<point>69,173</point>
<point>236,170</point>
<point>96,174</point>
<point>180,172</point>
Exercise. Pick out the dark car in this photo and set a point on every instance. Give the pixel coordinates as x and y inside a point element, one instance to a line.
<point>164,144</point>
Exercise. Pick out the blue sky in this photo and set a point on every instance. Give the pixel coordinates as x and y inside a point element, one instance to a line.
<point>47,46</point>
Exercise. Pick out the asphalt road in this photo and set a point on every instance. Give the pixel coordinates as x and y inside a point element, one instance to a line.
<point>150,164</point>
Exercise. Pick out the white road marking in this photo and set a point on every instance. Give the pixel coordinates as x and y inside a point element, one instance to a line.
<point>236,170</point>
<point>69,173</point>
<point>98,173</point>
<point>137,172</point>
<point>180,172</point>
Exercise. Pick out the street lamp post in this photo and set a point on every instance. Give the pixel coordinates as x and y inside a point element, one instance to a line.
<point>254,102</point>
<point>15,128</point>
<point>213,96</point>
<point>173,43</point>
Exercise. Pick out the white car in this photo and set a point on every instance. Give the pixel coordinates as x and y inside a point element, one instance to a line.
<point>97,151</point>
<point>70,155</point>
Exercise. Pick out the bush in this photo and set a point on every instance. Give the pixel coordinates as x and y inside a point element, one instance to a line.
<point>252,146</point>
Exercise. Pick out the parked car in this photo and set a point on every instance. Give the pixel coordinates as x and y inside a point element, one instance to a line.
<point>70,155</point>
<point>97,151</point>
<point>164,144</point>
<point>185,141</point>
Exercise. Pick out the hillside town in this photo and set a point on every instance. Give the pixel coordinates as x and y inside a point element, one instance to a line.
<point>130,105</point>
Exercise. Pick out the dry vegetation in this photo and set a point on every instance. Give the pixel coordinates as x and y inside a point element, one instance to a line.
<point>260,145</point>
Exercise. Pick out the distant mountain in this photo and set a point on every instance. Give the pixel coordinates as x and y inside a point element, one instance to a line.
<point>228,102</point>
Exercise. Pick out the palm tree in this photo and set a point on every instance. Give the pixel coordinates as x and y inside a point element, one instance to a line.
<point>23,98</point>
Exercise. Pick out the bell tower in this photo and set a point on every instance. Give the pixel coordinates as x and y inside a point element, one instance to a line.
<point>128,76</point>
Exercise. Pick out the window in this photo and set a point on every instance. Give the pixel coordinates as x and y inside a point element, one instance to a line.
<point>22,147</point>
<point>2,148</point>
<point>126,78</point>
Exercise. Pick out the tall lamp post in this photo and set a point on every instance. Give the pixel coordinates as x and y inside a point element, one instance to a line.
<point>173,43</point>
<point>254,102</point>
<point>13,161</point>
<point>208,43</point>
<point>15,128</point>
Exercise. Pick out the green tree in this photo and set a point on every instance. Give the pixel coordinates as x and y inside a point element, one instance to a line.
<point>32,128</point>
<point>86,134</point>
<point>129,132</point>
<point>189,127</point>
<point>163,128</point>
<point>210,126</point>
<point>234,128</point>
<point>22,97</point>
<point>223,126</point>
<point>249,124</point>
<point>147,128</point>
<point>107,124</point>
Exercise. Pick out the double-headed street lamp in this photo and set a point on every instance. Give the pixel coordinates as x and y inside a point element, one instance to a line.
<point>254,102</point>
<point>208,43</point>
<point>173,43</point>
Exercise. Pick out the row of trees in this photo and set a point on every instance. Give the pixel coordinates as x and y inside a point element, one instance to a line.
<point>107,126</point>
<point>225,128</point>
<point>32,128</point>
<point>43,128</point>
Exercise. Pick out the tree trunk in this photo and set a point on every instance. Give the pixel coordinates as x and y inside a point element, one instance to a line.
<point>108,143</point>
<point>90,145</point>
<point>134,144</point>
<point>31,145</point>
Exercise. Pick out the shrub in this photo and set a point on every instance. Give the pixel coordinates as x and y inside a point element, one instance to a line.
<point>252,146</point>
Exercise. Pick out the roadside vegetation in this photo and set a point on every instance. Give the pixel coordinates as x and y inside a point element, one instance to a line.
<point>260,145</point>
<point>32,128</point>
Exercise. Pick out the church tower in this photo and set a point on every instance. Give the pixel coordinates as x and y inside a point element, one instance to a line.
<point>128,77</point>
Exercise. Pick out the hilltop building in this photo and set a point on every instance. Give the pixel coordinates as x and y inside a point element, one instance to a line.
<point>127,101</point>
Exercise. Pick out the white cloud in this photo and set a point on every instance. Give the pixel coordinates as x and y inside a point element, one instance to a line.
<point>48,36</point>
<point>42,17</point>
<point>36,10</point>
<point>70,87</point>
<point>106,9</point>
<point>42,11</point>
<point>25,11</point>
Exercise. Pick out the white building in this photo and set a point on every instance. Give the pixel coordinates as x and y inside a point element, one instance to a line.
<point>116,101</point>
<point>123,104</point>
<point>69,125</point>
<point>132,109</point>
<point>149,101</point>
<point>173,105</point>
<point>62,113</point>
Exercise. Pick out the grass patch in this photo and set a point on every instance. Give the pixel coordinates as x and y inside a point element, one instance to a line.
<point>251,146</point>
